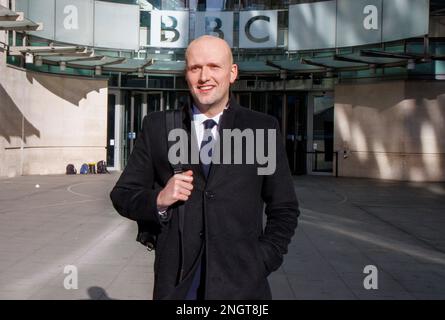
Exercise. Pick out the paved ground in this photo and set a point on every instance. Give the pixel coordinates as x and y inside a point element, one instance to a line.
<point>346,224</point>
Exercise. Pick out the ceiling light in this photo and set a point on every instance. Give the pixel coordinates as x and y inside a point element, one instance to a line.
<point>38,61</point>
<point>29,58</point>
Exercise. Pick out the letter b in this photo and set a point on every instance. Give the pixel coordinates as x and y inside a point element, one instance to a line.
<point>216,28</point>
<point>171,28</point>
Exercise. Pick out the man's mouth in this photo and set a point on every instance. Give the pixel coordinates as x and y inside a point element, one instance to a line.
<point>204,89</point>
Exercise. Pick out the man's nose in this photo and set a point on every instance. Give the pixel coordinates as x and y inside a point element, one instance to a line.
<point>204,76</point>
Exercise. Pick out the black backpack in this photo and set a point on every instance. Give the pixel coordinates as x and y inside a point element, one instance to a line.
<point>70,169</point>
<point>148,232</point>
<point>102,167</point>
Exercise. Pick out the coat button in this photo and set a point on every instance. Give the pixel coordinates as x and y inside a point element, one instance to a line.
<point>209,194</point>
<point>201,234</point>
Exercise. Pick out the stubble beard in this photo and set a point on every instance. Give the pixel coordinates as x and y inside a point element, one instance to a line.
<point>213,104</point>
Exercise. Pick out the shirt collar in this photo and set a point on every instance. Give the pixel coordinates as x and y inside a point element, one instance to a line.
<point>200,117</point>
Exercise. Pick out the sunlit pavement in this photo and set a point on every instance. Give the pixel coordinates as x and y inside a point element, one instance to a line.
<point>50,223</point>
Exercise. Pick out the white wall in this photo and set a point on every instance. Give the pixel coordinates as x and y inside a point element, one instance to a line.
<point>48,121</point>
<point>391,130</point>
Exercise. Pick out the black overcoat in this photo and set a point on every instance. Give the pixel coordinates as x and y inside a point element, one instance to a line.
<point>224,211</point>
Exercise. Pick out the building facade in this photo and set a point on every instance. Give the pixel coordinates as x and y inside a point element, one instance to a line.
<point>356,85</point>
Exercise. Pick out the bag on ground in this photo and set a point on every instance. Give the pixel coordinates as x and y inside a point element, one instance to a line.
<point>84,169</point>
<point>70,169</point>
<point>102,167</point>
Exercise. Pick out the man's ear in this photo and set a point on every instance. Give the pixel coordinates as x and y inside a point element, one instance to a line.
<point>233,73</point>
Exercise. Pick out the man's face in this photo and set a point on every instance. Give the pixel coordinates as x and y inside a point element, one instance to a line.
<point>210,72</point>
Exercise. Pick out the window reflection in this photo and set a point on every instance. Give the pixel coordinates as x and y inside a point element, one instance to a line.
<point>163,4</point>
<point>263,4</point>
<point>203,5</point>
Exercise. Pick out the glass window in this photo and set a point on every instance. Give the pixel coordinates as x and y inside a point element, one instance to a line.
<point>258,101</point>
<point>263,4</point>
<point>160,82</point>
<point>133,81</point>
<point>172,4</point>
<point>203,5</point>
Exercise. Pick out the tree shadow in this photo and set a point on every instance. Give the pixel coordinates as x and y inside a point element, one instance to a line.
<point>397,134</point>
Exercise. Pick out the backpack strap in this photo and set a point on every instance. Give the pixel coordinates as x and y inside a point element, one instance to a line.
<point>173,120</point>
<point>147,232</point>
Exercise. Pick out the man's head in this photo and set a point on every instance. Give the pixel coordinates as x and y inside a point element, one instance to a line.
<point>209,72</point>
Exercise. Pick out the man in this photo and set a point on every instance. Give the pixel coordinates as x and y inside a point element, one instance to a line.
<point>219,250</point>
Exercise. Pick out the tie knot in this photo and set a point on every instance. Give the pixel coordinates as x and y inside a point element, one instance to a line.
<point>209,124</point>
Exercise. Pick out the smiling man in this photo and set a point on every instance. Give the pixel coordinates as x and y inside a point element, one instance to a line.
<point>217,248</point>
<point>210,72</point>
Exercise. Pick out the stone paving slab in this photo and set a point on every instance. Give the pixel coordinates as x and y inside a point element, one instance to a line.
<point>50,222</point>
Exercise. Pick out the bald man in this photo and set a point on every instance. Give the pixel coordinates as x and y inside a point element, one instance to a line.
<point>220,248</point>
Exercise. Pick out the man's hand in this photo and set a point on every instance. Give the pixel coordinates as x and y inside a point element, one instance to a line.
<point>178,188</point>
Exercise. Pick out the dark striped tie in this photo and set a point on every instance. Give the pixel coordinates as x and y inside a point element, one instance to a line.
<point>208,138</point>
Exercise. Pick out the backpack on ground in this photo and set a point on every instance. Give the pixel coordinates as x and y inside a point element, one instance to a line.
<point>102,167</point>
<point>70,169</point>
<point>84,169</point>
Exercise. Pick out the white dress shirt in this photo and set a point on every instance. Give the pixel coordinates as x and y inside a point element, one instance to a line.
<point>198,124</point>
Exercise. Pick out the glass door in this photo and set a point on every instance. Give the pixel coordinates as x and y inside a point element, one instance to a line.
<point>137,105</point>
<point>133,121</point>
<point>111,136</point>
<point>155,101</point>
<point>274,107</point>
<point>321,142</point>
<point>296,138</point>
<point>182,100</point>
<point>244,99</point>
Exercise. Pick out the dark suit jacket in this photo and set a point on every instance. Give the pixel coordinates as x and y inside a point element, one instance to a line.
<point>225,212</point>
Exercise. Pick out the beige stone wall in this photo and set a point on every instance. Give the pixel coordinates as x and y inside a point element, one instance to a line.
<point>391,130</point>
<point>48,121</point>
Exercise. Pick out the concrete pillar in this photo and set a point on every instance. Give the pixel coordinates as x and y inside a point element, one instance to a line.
<point>3,38</point>
<point>118,131</point>
<point>144,105</point>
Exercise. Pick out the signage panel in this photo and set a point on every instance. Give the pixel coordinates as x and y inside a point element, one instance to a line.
<point>43,11</point>
<point>258,29</point>
<point>359,22</point>
<point>215,23</point>
<point>74,21</point>
<point>116,25</point>
<point>405,19</point>
<point>169,29</point>
<point>312,25</point>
